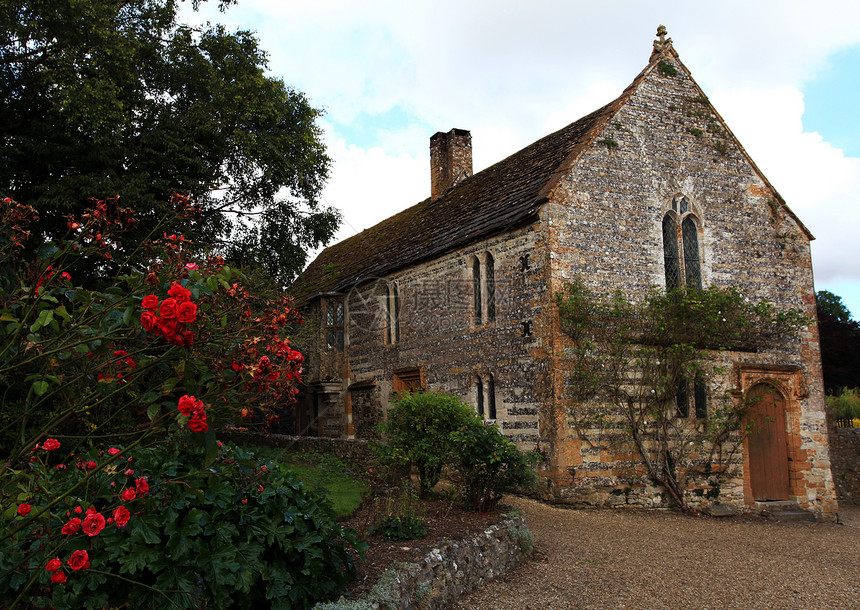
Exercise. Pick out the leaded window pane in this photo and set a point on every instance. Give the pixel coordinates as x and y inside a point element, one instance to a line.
<point>684,206</point>
<point>682,400</point>
<point>396,308</point>
<point>671,262</point>
<point>480,397</point>
<point>338,314</point>
<point>700,399</point>
<point>476,289</point>
<point>329,314</point>
<point>692,266</point>
<point>491,289</point>
<point>491,397</point>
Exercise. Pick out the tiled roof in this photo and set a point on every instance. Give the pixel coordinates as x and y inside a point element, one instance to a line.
<point>490,202</point>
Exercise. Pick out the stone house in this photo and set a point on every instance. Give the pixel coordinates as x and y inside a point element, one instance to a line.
<point>456,293</point>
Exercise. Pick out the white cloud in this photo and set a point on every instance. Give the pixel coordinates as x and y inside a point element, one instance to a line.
<point>512,71</point>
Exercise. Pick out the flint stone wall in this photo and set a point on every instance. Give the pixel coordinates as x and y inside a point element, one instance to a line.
<point>845,459</point>
<point>447,573</point>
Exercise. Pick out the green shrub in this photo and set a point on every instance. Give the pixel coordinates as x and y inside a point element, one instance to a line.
<point>233,534</point>
<point>491,465</point>
<point>847,404</point>
<point>402,519</point>
<point>420,432</point>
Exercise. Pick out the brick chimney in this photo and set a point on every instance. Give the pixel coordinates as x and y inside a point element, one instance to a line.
<point>450,160</point>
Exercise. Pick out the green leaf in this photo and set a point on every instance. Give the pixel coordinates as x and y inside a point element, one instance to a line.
<point>169,384</point>
<point>46,250</point>
<point>152,411</point>
<point>128,315</point>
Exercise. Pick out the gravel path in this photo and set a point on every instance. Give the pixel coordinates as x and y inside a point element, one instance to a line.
<point>650,559</point>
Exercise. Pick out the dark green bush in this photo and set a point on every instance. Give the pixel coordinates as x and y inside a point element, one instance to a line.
<point>420,432</point>
<point>491,465</point>
<point>236,534</point>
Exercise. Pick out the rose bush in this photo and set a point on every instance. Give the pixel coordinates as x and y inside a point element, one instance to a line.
<point>155,355</point>
<point>156,527</point>
<point>79,362</point>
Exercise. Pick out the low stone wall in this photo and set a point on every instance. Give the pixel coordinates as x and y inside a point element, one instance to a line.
<point>845,464</point>
<point>353,450</point>
<point>447,573</point>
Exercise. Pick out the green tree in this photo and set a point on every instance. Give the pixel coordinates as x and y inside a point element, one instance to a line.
<point>102,98</point>
<point>840,343</point>
<point>635,365</point>
<point>832,305</point>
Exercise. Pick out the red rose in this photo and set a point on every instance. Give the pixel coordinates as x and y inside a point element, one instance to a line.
<point>141,486</point>
<point>72,526</point>
<point>58,577</point>
<point>168,309</point>
<point>91,465</point>
<point>24,509</point>
<point>113,451</point>
<point>148,320</point>
<point>198,425</point>
<point>93,524</point>
<point>187,404</point>
<point>50,444</point>
<point>121,516</point>
<point>79,560</point>
<point>237,367</point>
<point>128,495</point>
<point>150,302</point>
<point>54,565</point>
<point>175,339</point>
<point>179,292</point>
<point>187,312</point>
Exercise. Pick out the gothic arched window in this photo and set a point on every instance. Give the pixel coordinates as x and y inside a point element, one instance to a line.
<point>681,254</point>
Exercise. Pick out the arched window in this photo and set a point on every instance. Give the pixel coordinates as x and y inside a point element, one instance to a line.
<point>671,261</point>
<point>491,397</point>
<point>491,289</point>
<point>682,261</point>
<point>479,396</point>
<point>692,267</point>
<point>476,290</point>
<point>395,308</point>
<point>391,312</point>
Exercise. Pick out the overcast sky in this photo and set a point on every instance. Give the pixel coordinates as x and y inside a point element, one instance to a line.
<point>784,74</point>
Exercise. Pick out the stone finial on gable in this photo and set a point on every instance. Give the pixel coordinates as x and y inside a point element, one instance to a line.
<point>663,46</point>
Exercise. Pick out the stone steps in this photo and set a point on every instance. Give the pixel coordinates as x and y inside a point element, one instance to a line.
<point>784,510</point>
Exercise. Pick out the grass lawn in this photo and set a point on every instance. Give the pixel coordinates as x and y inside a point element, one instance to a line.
<point>322,472</point>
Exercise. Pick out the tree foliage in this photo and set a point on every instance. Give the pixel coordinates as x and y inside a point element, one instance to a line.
<point>103,98</point>
<point>830,304</point>
<point>632,363</point>
<point>840,343</point>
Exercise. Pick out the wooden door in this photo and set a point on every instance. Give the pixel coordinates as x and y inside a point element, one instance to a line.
<point>767,444</point>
